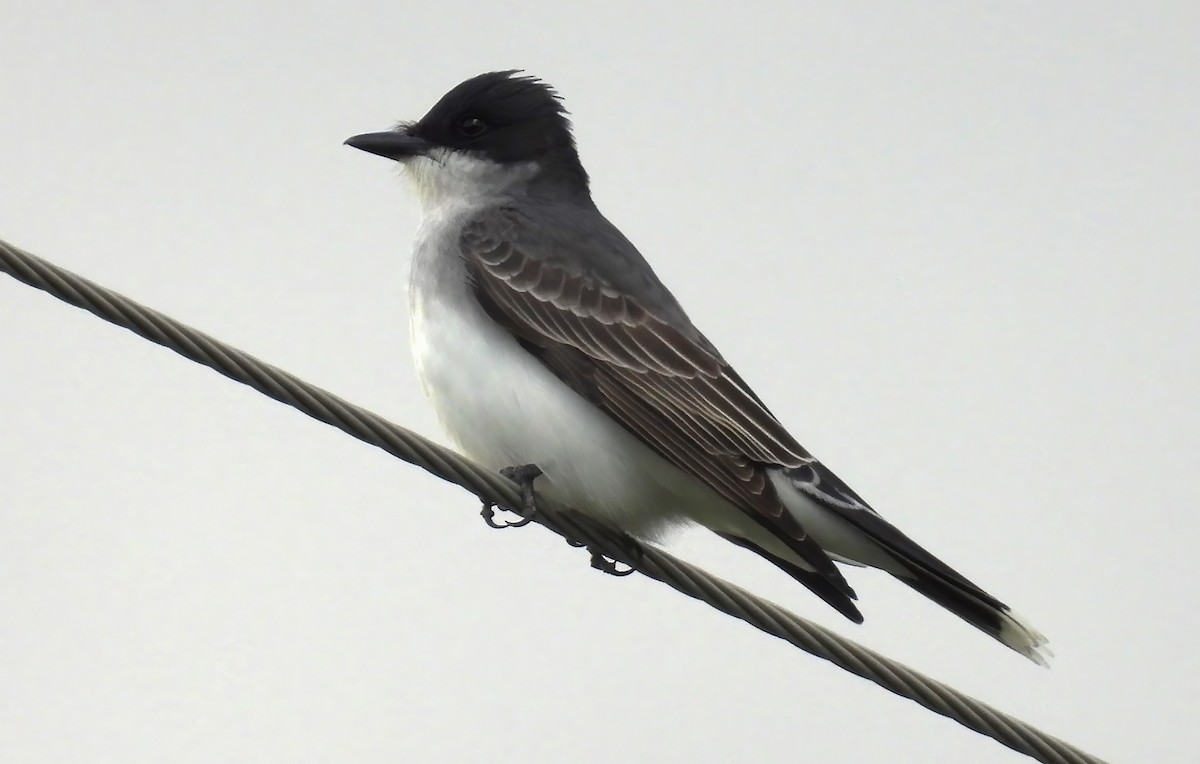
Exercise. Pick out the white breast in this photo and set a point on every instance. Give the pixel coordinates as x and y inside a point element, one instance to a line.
<point>504,408</point>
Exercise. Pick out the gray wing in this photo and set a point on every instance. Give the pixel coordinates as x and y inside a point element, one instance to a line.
<point>652,372</point>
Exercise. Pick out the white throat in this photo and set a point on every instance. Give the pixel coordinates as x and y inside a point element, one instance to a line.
<point>445,177</point>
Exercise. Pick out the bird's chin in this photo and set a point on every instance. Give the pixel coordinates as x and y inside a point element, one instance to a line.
<point>426,173</point>
<point>444,176</point>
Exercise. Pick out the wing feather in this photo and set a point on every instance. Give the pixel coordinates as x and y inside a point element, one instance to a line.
<point>654,374</point>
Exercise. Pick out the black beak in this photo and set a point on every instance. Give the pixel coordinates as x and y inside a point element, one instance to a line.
<point>394,144</point>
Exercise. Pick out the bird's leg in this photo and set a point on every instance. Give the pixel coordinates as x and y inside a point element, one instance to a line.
<point>523,475</point>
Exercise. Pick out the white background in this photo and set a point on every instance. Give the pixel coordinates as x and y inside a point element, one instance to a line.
<point>953,246</point>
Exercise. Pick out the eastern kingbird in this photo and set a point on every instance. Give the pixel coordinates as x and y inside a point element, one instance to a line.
<point>543,337</point>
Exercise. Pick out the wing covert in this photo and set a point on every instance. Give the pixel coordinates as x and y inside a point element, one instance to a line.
<point>658,377</point>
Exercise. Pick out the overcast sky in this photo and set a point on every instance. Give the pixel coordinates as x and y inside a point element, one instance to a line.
<point>953,246</point>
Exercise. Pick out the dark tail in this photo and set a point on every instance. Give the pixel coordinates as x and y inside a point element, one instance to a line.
<point>950,589</point>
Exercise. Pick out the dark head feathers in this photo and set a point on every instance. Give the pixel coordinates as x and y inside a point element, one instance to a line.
<point>508,94</point>
<point>507,117</point>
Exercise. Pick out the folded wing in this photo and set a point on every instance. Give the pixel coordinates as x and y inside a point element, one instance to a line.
<point>659,378</point>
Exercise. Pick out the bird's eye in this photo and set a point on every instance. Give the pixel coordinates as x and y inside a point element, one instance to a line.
<point>472,126</point>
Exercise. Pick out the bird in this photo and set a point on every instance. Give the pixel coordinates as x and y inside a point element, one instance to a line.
<point>550,350</point>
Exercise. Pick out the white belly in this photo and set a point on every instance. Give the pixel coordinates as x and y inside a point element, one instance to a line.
<point>503,408</point>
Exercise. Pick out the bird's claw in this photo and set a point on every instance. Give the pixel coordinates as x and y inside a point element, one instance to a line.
<point>488,513</point>
<point>523,475</point>
<point>608,565</point>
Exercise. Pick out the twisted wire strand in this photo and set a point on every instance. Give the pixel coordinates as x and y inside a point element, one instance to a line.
<point>573,526</point>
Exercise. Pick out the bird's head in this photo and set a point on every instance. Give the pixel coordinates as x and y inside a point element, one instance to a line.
<point>488,134</point>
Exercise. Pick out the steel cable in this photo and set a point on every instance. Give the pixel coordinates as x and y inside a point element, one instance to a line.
<point>573,526</point>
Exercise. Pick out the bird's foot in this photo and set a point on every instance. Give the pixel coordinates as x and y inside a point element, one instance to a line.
<point>607,564</point>
<point>523,475</point>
